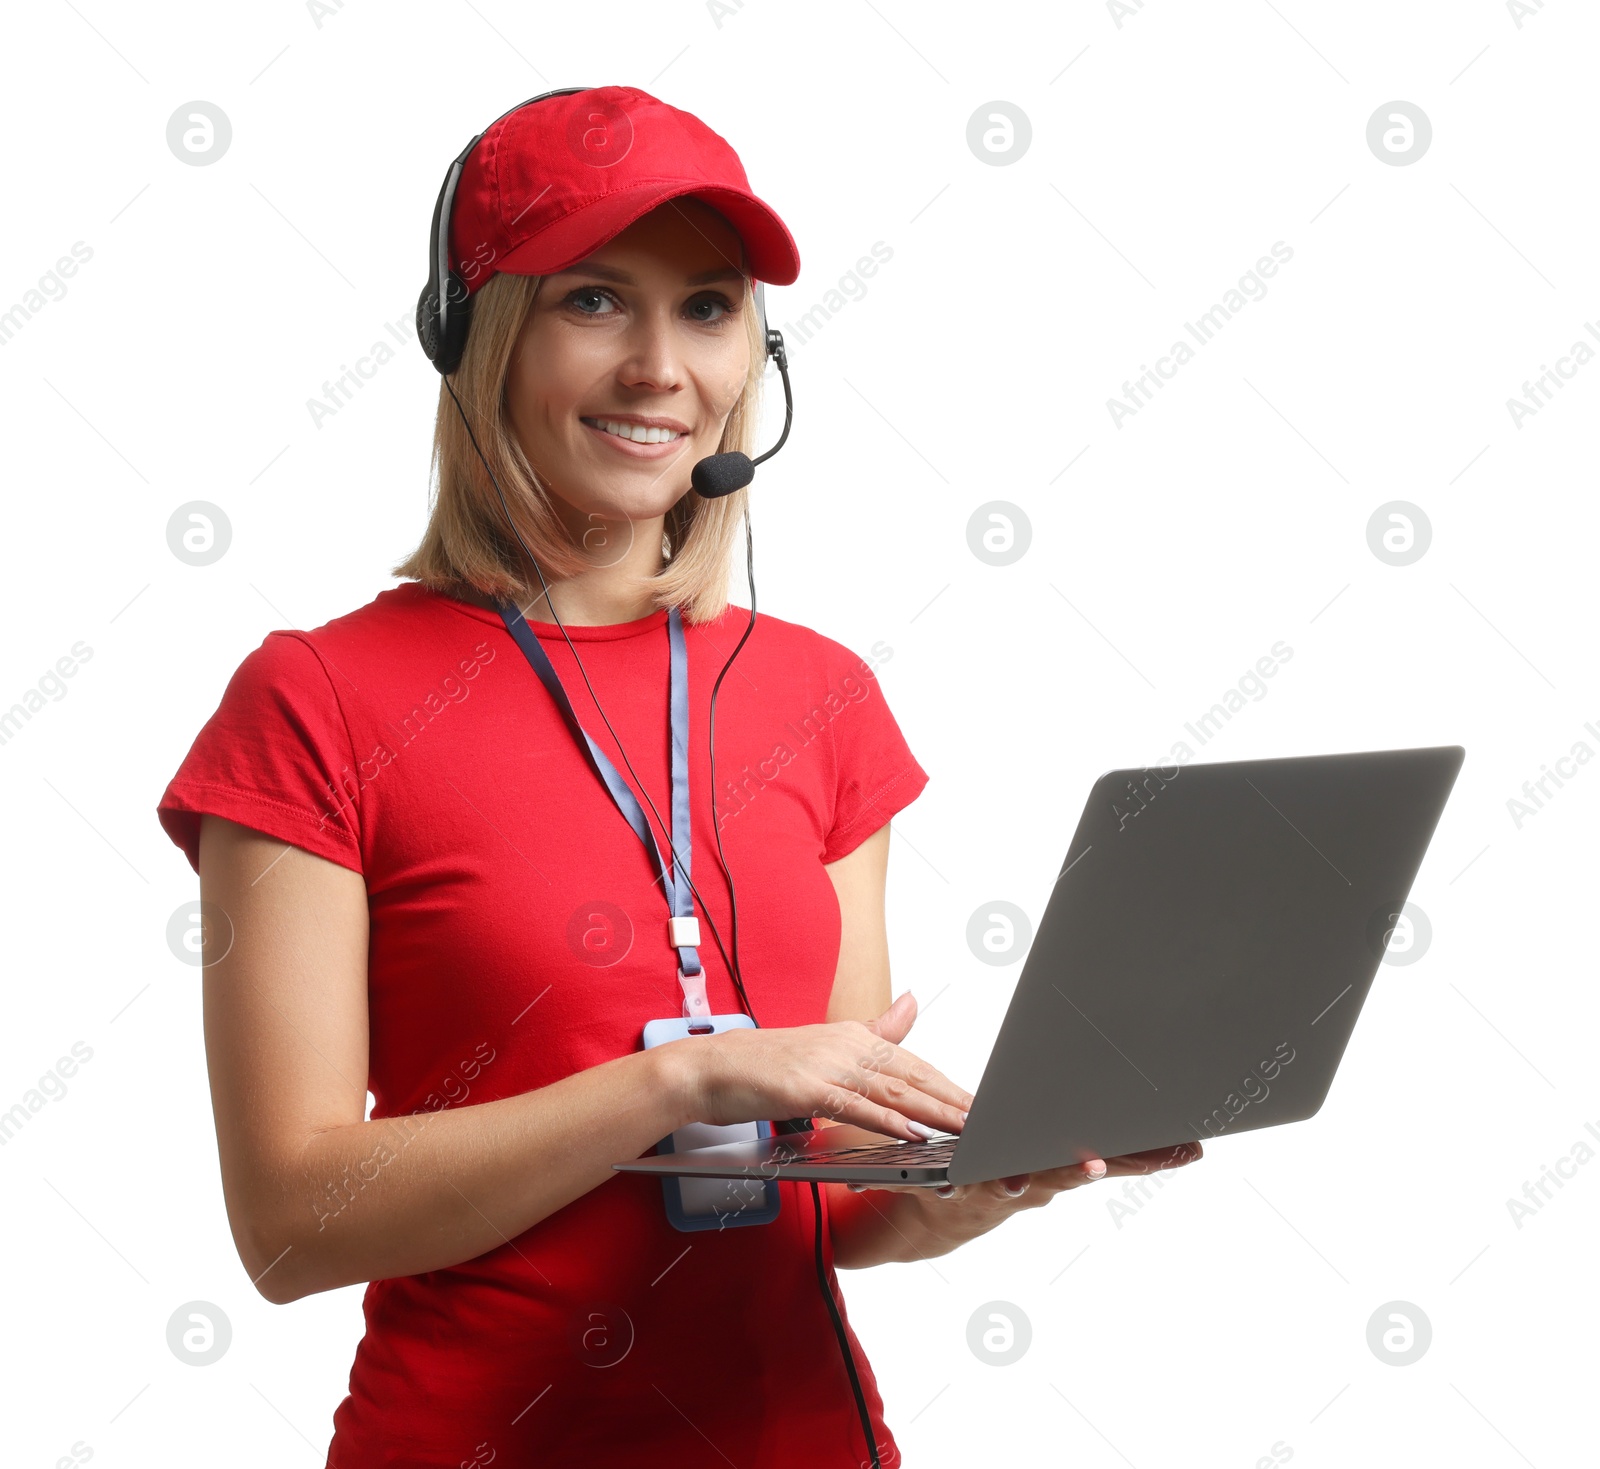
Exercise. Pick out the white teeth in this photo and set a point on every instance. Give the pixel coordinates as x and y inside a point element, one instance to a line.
<point>638,434</point>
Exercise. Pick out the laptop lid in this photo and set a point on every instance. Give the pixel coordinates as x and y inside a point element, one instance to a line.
<point>1204,953</point>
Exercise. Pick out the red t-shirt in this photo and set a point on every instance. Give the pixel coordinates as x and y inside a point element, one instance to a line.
<point>518,935</point>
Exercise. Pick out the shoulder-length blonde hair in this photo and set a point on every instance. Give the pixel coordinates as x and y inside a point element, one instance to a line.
<point>467,541</point>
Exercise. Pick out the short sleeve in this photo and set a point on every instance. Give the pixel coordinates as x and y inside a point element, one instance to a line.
<point>276,757</point>
<point>877,775</point>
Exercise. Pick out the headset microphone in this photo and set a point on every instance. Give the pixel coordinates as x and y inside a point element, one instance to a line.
<point>722,474</point>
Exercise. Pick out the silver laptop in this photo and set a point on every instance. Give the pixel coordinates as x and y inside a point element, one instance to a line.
<point>1204,953</point>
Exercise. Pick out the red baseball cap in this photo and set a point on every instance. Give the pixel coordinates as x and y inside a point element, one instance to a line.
<point>548,184</point>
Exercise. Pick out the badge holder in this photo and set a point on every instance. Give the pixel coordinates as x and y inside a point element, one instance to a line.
<point>711,1203</point>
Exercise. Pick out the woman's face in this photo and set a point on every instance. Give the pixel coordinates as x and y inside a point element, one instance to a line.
<point>649,328</point>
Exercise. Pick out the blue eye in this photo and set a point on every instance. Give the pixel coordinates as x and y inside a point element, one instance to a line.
<point>572,298</point>
<point>713,299</point>
<point>600,293</point>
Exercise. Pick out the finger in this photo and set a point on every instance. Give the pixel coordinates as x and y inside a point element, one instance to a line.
<point>1013,1187</point>
<point>910,1111</point>
<point>1091,1170</point>
<point>1073,1175</point>
<point>897,1020</point>
<point>902,1079</point>
<point>1152,1160</point>
<point>863,1109</point>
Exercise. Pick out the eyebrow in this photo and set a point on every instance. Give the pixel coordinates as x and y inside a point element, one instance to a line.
<point>622,278</point>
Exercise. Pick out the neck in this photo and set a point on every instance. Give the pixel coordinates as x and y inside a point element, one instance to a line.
<point>624,554</point>
<point>585,601</point>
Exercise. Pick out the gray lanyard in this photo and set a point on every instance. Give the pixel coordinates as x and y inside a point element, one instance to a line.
<point>683,928</point>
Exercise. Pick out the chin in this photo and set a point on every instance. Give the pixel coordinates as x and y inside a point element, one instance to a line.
<point>630,503</point>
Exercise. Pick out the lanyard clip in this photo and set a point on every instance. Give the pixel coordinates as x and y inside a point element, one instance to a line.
<point>695,1006</point>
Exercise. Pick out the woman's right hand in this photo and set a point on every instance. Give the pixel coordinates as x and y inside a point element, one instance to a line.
<point>849,1071</point>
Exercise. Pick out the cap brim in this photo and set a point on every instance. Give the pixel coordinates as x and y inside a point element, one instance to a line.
<point>770,251</point>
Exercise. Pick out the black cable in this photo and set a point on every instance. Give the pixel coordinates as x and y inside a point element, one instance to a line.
<point>732,965</point>
<point>711,745</point>
<point>733,904</point>
<point>838,1328</point>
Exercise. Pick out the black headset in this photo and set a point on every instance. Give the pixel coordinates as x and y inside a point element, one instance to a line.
<point>443,318</point>
<point>444,314</point>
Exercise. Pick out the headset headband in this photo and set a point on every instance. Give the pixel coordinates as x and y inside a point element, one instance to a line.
<point>444,310</point>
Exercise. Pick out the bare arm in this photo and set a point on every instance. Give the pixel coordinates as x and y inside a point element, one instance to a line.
<point>867,1228</point>
<point>316,1196</point>
<point>861,982</point>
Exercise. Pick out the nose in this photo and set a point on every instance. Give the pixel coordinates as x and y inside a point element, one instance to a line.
<point>653,357</point>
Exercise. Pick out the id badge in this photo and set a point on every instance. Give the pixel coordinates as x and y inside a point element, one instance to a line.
<point>712,1203</point>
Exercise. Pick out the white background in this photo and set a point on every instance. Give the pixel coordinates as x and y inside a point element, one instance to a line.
<point>1168,153</point>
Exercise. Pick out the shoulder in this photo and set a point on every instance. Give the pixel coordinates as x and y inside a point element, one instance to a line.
<point>391,632</point>
<point>802,650</point>
<point>400,614</point>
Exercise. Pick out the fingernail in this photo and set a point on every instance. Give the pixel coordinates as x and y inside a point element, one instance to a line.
<point>856,1188</point>
<point>964,1116</point>
<point>946,1191</point>
<point>921,1129</point>
<point>901,996</point>
<point>1095,1168</point>
<point>1015,1193</point>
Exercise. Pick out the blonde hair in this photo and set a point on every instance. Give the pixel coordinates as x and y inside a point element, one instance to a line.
<point>467,541</point>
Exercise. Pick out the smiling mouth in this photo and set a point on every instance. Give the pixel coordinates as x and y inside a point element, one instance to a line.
<point>633,433</point>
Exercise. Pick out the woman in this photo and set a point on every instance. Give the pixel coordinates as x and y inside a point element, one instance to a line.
<point>415,883</point>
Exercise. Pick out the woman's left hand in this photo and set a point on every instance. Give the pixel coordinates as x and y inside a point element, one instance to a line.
<point>953,1214</point>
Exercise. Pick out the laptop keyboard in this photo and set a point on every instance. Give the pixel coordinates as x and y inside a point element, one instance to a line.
<point>921,1154</point>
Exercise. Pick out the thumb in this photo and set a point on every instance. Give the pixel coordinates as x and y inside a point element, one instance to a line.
<point>897,1020</point>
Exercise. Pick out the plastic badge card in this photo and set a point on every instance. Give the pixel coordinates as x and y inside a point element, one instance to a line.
<point>712,1203</point>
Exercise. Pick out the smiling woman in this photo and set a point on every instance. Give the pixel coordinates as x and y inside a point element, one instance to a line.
<point>656,318</point>
<point>526,1302</point>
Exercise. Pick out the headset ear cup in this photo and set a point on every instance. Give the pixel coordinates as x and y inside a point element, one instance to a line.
<point>444,346</point>
<point>456,324</point>
<point>428,324</point>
